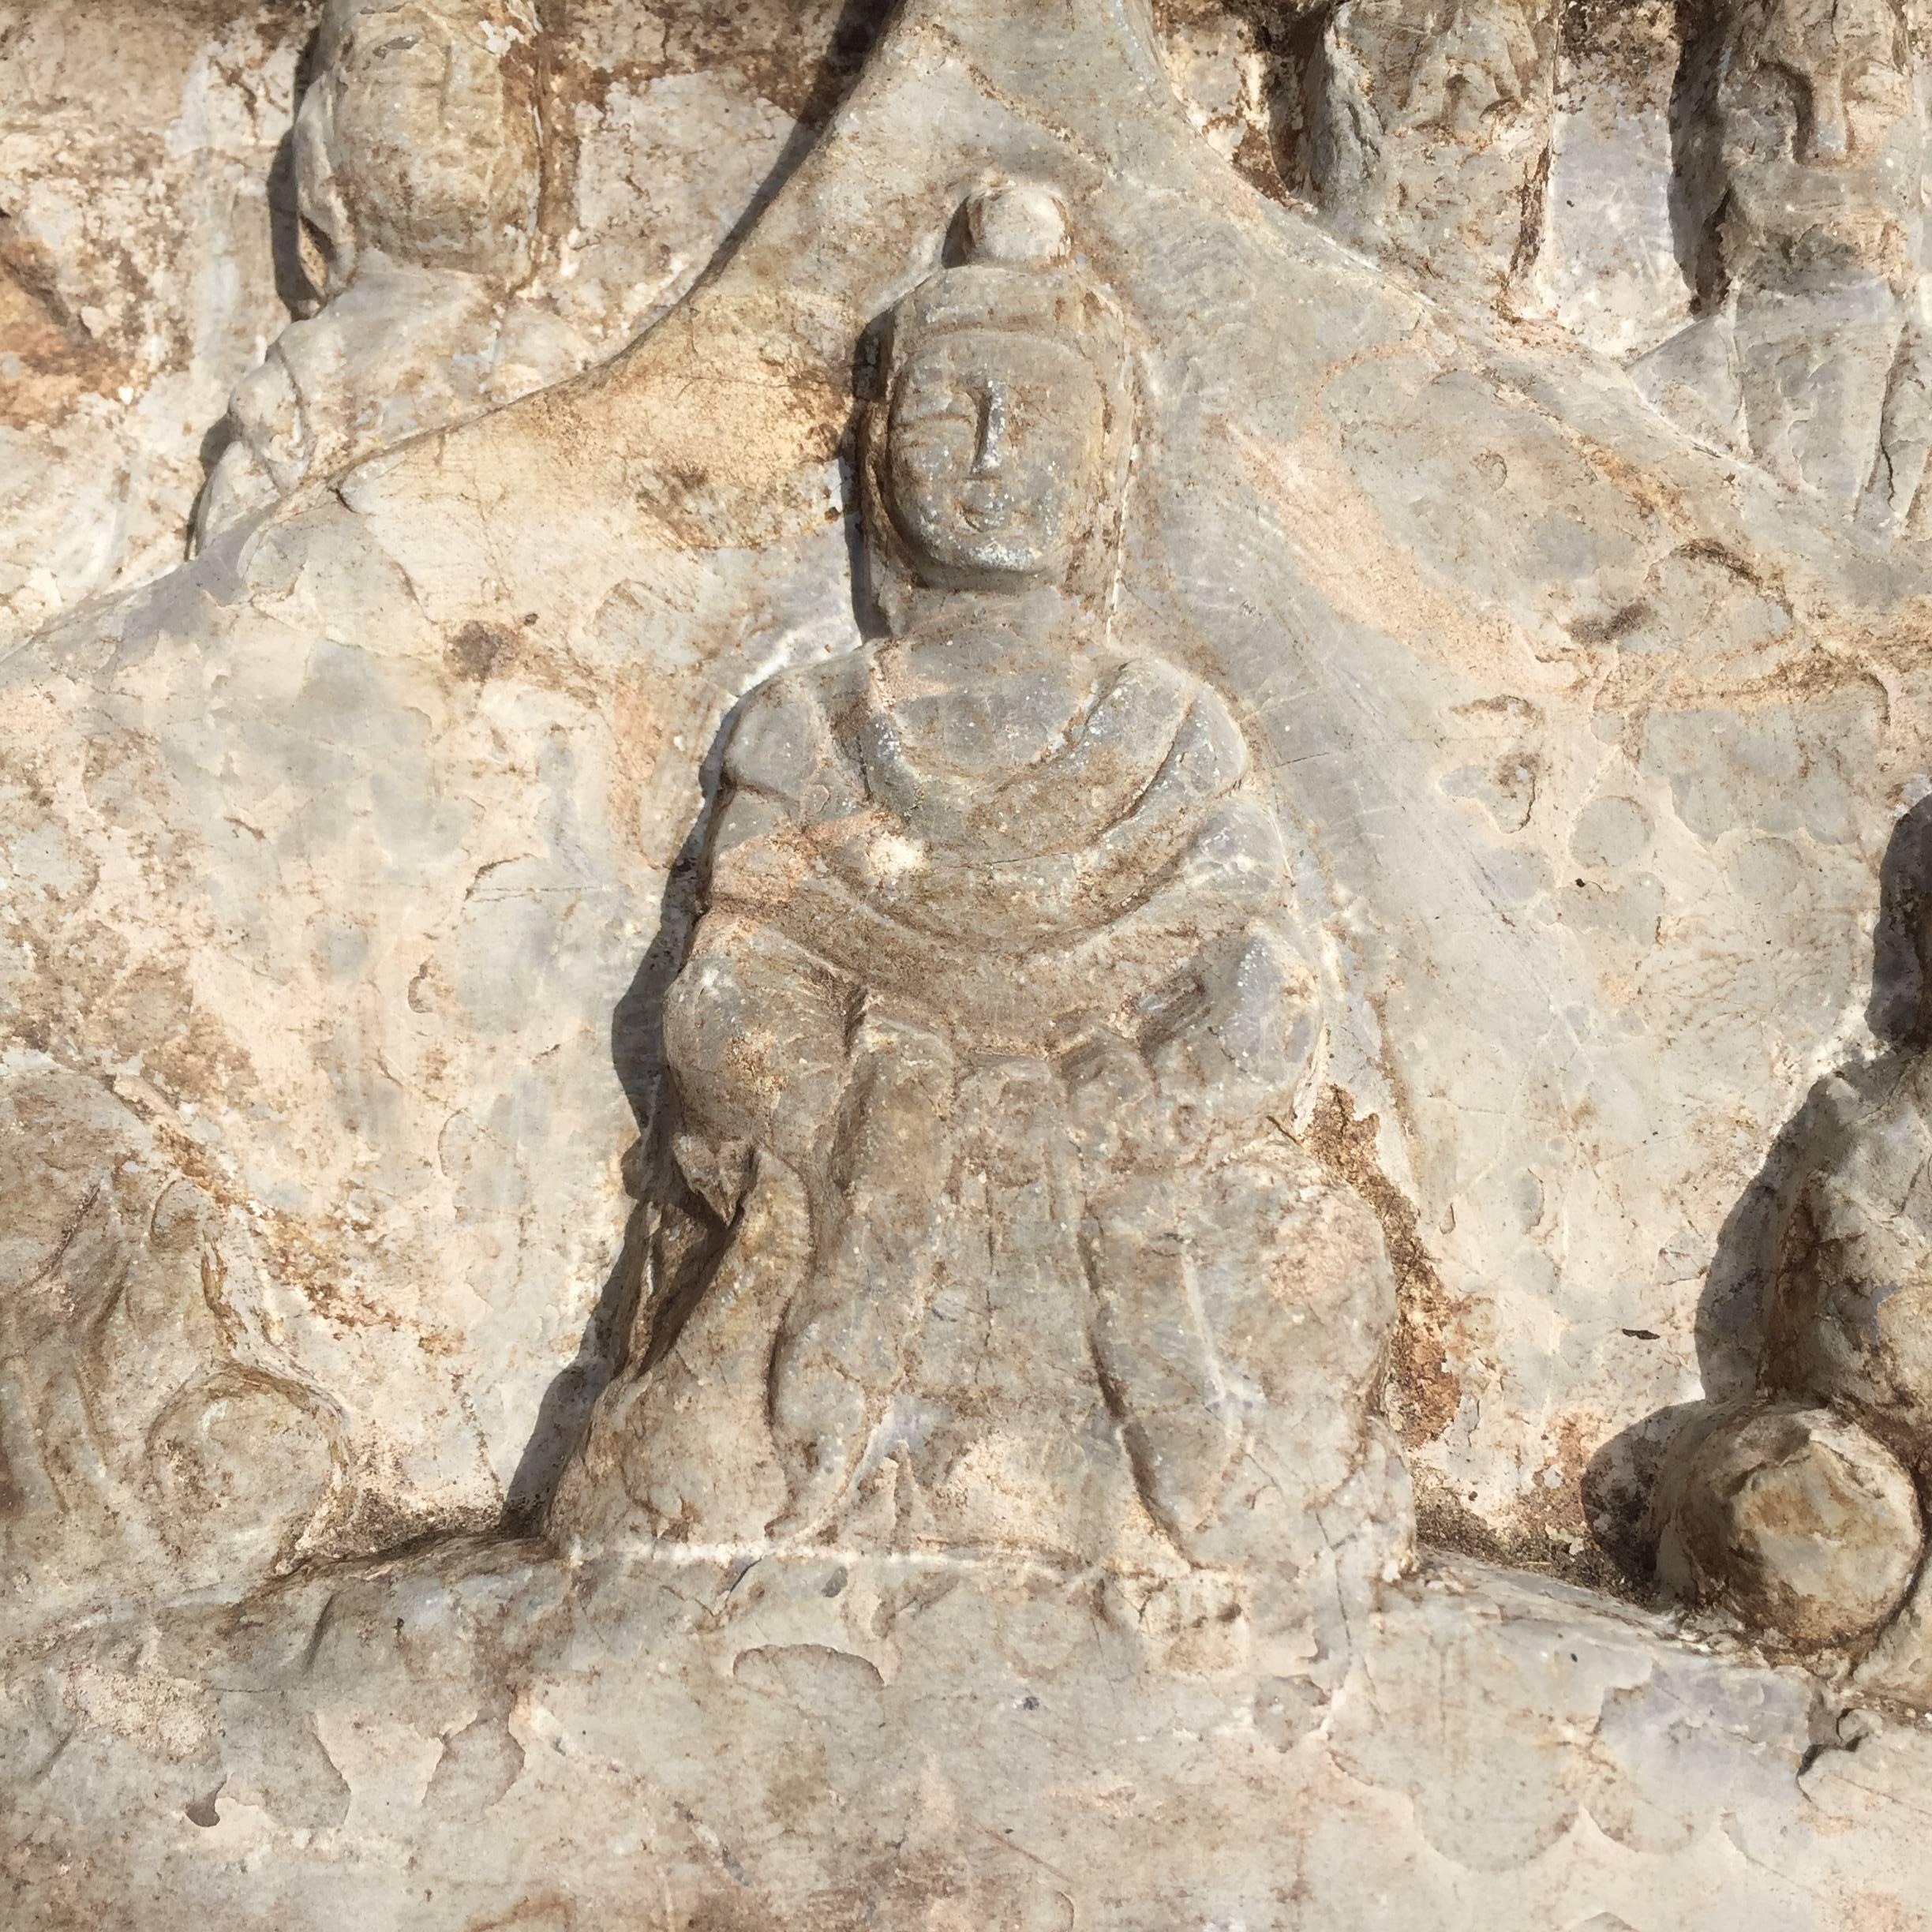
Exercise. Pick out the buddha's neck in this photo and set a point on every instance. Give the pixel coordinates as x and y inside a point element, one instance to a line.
<point>1043,614</point>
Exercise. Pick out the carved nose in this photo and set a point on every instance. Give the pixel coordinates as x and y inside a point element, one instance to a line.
<point>1827,139</point>
<point>992,444</point>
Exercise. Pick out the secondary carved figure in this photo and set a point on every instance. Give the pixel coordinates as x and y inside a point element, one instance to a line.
<point>1800,167</point>
<point>418,167</point>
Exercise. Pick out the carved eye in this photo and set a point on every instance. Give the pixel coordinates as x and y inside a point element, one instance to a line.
<point>923,408</point>
<point>1769,109</point>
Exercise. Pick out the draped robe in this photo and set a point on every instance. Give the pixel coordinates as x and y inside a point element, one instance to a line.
<point>981,1057</point>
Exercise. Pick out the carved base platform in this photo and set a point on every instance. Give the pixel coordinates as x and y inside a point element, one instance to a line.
<point>483,1737</point>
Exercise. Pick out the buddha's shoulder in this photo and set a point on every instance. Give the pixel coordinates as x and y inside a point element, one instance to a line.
<point>1166,684</point>
<point>1883,1150</point>
<point>785,739</point>
<point>1203,733</point>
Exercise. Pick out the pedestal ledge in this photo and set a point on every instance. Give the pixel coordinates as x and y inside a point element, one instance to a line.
<point>481,1736</point>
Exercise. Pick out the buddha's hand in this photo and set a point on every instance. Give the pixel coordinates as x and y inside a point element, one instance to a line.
<point>1233,1050</point>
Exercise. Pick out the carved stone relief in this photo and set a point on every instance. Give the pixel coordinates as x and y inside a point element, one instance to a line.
<point>150,260</point>
<point>980,1099</point>
<point>1426,132</point>
<point>1795,1509</point>
<point>989,1235</point>
<point>419,166</point>
<point>1800,164</point>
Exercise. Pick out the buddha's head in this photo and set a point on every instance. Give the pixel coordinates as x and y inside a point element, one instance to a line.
<point>992,457</point>
<point>1819,123</point>
<point>420,136</point>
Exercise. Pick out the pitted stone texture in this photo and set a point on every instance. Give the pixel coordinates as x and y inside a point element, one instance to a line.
<point>499,1742</point>
<point>340,849</point>
<point>355,861</point>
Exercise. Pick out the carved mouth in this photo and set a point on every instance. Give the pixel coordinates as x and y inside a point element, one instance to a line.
<point>986,509</point>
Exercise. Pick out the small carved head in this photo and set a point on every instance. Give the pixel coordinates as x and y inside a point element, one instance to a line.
<point>420,135</point>
<point>1453,71</point>
<point>1816,145</point>
<point>1832,77</point>
<point>990,459</point>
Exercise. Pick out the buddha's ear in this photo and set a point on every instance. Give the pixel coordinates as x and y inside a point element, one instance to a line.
<point>1100,549</point>
<point>325,244</point>
<point>891,574</point>
<point>889,568</point>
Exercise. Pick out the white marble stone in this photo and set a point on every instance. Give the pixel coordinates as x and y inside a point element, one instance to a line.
<point>507,995</point>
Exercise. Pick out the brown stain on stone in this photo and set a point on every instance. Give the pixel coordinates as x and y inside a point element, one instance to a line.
<point>1880,1911</point>
<point>480,650</point>
<point>1631,44</point>
<point>1255,158</point>
<point>801,56</point>
<point>1547,1532</point>
<point>1445,1520</point>
<point>1420,1395</point>
<point>806,71</point>
<point>56,361</point>
<point>548,1912</point>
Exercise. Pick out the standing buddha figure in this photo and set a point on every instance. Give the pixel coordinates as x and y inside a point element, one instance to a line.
<point>988,1233</point>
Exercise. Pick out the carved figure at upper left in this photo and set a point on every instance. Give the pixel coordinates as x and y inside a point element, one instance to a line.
<point>419,162</point>
<point>992,1235</point>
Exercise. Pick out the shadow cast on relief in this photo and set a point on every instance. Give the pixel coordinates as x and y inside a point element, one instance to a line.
<point>638,1058</point>
<point>858,26</point>
<point>1758,1247</point>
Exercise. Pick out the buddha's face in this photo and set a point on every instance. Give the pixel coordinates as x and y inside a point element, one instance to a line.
<point>1822,137</point>
<point>419,137</point>
<point>993,456</point>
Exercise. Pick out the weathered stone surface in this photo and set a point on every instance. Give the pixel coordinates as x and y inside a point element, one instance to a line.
<point>151,196</point>
<point>137,279</point>
<point>1800,165</point>
<point>760,1114</point>
<point>834,1743</point>
<point>1426,132</point>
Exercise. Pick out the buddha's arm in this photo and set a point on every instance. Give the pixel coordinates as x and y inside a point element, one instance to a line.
<point>272,419</point>
<point>755,1022</point>
<point>755,1039</point>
